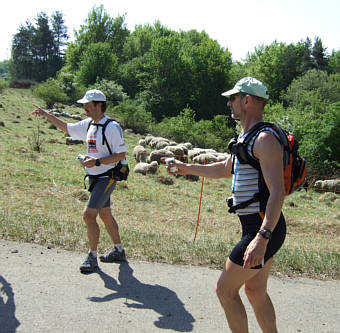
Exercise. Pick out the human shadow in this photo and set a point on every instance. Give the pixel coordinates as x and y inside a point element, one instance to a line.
<point>162,300</point>
<point>8,321</point>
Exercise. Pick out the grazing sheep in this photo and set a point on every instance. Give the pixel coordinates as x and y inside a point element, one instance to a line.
<point>188,145</point>
<point>221,156</point>
<point>177,150</point>
<point>148,139</point>
<point>205,158</point>
<point>140,153</point>
<point>330,185</point>
<point>145,168</point>
<point>142,142</point>
<point>155,140</point>
<point>156,155</point>
<point>161,144</point>
<point>193,152</point>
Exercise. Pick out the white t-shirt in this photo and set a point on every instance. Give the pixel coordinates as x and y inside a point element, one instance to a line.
<point>94,141</point>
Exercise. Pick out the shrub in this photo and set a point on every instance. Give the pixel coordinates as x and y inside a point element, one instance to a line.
<point>21,84</point>
<point>112,90</point>
<point>50,92</point>
<point>3,85</point>
<point>132,116</point>
<point>177,128</point>
<point>205,133</point>
<point>67,82</point>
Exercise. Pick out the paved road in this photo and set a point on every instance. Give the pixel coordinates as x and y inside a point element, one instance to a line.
<point>43,291</point>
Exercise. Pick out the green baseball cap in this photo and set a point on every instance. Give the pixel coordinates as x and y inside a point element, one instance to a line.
<point>249,85</point>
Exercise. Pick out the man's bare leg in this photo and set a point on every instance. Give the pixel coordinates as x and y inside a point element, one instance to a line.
<point>256,291</point>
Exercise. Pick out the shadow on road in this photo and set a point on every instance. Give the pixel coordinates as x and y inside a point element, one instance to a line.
<point>138,295</point>
<point>8,322</point>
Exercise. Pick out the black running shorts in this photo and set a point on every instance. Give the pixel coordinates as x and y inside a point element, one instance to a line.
<point>250,226</point>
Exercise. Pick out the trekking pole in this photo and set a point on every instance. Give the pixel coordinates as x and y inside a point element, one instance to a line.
<point>199,208</point>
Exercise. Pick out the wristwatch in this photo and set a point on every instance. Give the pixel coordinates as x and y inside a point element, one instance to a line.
<point>98,162</point>
<point>267,234</point>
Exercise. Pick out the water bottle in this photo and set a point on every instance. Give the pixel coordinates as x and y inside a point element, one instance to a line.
<point>124,167</point>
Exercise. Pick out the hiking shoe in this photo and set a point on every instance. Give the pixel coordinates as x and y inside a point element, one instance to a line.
<point>113,255</point>
<point>89,265</point>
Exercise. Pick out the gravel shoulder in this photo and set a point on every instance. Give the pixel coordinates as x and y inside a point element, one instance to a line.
<point>41,290</point>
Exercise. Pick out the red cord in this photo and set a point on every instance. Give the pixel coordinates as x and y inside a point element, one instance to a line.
<point>199,208</point>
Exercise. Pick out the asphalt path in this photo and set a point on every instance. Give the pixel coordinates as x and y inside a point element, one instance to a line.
<point>43,291</point>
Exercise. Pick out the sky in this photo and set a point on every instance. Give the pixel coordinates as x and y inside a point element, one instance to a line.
<point>239,26</point>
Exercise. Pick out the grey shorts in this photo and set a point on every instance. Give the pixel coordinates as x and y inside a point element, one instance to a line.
<point>100,195</point>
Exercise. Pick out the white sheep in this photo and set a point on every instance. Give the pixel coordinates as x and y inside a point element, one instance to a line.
<point>145,168</point>
<point>140,153</point>
<point>148,139</point>
<point>142,142</point>
<point>156,155</point>
<point>205,158</point>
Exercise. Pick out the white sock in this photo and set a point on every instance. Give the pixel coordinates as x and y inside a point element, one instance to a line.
<point>94,253</point>
<point>119,247</point>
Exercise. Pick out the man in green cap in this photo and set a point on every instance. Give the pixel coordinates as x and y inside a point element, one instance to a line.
<point>257,199</point>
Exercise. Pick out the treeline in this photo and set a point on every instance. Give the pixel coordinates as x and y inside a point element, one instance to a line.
<point>170,83</point>
<point>37,50</point>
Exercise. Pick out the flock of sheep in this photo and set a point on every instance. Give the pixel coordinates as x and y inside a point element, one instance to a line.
<point>148,162</point>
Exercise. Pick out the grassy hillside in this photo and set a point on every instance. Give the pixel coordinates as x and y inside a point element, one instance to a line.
<point>42,197</point>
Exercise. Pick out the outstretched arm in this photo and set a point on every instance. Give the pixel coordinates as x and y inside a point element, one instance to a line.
<point>38,111</point>
<point>214,170</point>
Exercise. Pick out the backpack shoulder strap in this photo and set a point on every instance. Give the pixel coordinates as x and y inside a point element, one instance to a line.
<point>244,154</point>
<point>103,135</point>
<point>103,126</point>
<point>90,123</point>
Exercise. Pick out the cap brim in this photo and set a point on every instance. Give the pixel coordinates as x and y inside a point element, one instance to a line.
<point>230,92</point>
<point>82,101</point>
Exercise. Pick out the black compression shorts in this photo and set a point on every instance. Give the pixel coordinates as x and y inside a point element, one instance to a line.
<point>250,226</point>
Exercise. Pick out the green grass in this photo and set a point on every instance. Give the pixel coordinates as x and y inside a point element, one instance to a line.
<point>42,198</point>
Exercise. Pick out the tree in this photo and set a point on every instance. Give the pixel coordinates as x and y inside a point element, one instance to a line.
<point>164,73</point>
<point>305,55</point>
<point>60,35</point>
<point>101,27</point>
<point>22,62</point>
<point>334,62</point>
<point>276,65</point>
<point>35,51</point>
<point>97,63</point>
<point>4,68</point>
<point>319,54</point>
<point>42,48</point>
<point>207,66</point>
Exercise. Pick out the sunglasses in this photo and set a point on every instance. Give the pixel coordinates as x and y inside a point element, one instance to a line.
<point>232,97</point>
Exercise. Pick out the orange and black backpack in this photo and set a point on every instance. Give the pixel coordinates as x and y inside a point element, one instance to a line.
<point>294,166</point>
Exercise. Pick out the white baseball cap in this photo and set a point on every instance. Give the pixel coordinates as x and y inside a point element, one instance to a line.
<point>249,85</point>
<point>92,95</point>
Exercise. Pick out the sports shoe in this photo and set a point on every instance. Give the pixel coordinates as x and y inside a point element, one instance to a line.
<point>113,255</point>
<point>89,265</point>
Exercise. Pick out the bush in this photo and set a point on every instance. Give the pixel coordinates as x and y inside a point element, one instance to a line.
<point>67,82</point>
<point>3,85</point>
<point>213,134</point>
<point>113,91</point>
<point>132,116</point>
<point>21,84</point>
<point>50,92</point>
<point>177,128</point>
<point>320,143</point>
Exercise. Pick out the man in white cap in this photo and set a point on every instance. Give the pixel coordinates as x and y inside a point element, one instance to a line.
<point>257,198</point>
<point>103,152</point>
